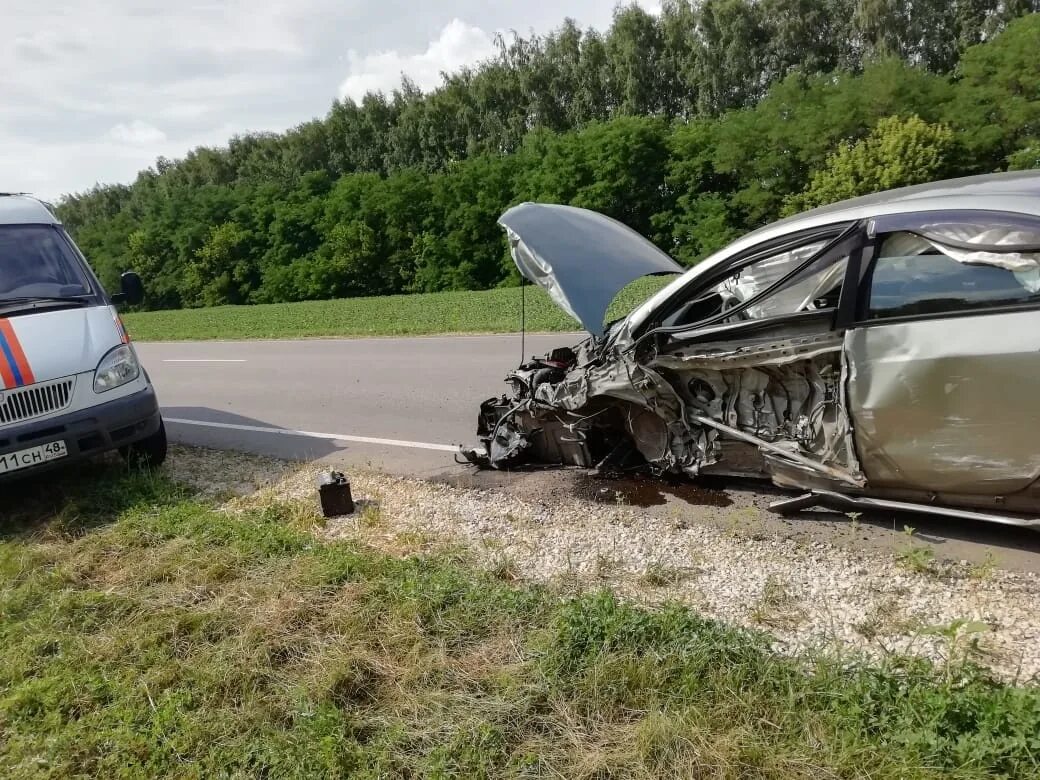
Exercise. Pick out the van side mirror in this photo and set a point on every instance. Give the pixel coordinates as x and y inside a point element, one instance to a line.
<point>131,289</point>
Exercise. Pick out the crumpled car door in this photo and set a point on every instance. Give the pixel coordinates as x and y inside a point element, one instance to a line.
<point>944,371</point>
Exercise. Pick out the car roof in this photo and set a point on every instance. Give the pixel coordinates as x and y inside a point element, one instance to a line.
<point>1016,191</point>
<point>18,209</point>
<point>1012,191</point>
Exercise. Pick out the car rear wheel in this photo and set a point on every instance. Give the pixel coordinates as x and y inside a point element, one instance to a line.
<point>148,453</point>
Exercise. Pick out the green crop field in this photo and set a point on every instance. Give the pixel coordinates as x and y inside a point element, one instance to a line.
<point>486,311</point>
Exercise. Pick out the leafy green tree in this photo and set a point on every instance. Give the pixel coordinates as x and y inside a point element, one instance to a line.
<point>699,219</point>
<point>729,62</point>
<point>368,230</point>
<point>692,126</point>
<point>897,153</point>
<point>997,107</point>
<point>222,270</point>
<point>771,150</point>
<point>550,80</point>
<point>615,167</point>
<point>634,49</point>
<point>462,249</point>
<point>883,27</point>
<point>1025,159</point>
<point>292,227</point>
<point>811,36</point>
<point>680,48</point>
<point>595,96</point>
<point>147,252</point>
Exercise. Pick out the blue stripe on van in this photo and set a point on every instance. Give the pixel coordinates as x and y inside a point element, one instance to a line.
<point>5,348</point>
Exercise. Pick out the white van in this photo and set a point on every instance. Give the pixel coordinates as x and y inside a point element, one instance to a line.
<point>71,385</point>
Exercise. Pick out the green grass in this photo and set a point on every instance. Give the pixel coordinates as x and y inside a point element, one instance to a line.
<point>486,311</point>
<point>144,634</point>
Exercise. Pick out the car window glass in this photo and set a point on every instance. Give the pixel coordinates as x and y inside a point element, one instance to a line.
<point>917,275</point>
<point>36,261</point>
<point>816,287</point>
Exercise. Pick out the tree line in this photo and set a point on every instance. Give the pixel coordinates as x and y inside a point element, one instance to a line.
<point>692,126</point>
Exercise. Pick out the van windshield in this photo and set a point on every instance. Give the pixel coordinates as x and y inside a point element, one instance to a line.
<point>37,262</point>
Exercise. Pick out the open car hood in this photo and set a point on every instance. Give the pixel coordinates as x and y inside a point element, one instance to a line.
<point>580,257</point>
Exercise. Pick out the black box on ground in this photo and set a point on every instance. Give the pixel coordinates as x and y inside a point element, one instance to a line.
<point>334,492</point>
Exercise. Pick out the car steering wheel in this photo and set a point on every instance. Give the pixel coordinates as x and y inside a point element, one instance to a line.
<point>729,303</point>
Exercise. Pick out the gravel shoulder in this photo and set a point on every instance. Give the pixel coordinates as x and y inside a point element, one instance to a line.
<point>728,564</point>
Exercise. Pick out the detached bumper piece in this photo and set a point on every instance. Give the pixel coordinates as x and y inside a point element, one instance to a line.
<point>87,432</point>
<point>840,501</point>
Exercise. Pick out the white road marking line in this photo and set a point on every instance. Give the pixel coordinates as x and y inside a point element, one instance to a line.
<point>326,339</point>
<point>203,360</point>
<point>415,445</point>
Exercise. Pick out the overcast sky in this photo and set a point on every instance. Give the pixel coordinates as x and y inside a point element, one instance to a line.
<point>94,90</point>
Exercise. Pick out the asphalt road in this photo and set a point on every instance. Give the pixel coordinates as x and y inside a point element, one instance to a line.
<point>402,405</point>
<point>419,396</point>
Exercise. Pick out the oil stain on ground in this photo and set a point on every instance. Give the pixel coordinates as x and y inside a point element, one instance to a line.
<point>644,491</point>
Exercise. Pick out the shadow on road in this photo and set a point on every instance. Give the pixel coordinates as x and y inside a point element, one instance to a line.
<point>246,434</point>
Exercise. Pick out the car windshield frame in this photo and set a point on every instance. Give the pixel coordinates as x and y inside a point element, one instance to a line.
<point>69,276</point>
<point>833,235</point>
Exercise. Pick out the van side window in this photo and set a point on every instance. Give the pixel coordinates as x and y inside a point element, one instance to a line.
<point>914,275</point>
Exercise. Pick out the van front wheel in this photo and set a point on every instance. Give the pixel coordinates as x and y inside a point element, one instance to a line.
<point>148,453</point>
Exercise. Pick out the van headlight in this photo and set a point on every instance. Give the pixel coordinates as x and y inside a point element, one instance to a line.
<point>116,368</point>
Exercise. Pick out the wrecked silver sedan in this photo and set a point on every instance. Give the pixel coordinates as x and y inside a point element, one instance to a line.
<point>882,352</point>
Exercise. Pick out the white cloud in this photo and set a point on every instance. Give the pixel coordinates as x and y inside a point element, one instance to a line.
<point>204,71</point>
<point>459,44</point>
<point>137,133</point>
<point>184,110</point>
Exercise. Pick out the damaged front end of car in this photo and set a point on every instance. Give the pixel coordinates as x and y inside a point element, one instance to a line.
<point>773,408</point>
<point>769,361</point>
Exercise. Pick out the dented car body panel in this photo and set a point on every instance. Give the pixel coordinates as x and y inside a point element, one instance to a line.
<point>948,405</point>
<point>885,349</point>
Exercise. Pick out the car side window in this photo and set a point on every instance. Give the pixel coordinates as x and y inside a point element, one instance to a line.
<point>915,275</point>
<point>816,287</point>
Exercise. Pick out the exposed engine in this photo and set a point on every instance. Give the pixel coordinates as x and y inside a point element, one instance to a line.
<point>760,409</point>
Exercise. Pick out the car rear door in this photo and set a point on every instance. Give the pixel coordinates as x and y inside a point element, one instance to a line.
<point>944,353</point>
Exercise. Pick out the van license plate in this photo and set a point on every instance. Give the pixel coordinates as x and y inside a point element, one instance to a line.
<point>34,456</point>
